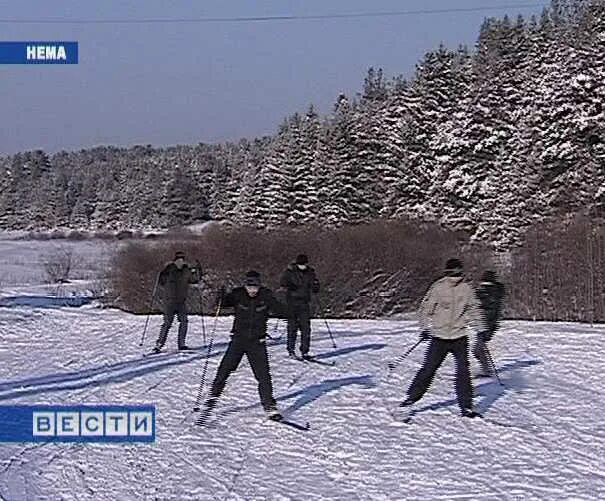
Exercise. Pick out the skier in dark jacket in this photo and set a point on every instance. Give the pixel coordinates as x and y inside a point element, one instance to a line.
<point>300,282</point>
<point>253,304</point>
<point>491,294</point>
<point>175,279</point>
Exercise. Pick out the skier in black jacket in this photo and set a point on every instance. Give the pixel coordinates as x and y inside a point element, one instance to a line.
<point>491,294</point>
<point>300,281</point>
<point>175,279</point>
<point>253,304</point>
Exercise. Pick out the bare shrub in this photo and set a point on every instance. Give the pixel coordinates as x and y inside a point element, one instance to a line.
<point>558,273</point>
<point>57,235</point>
<point>366,270</point>
<point>103,235</point>
<point>77,235</point>
<point>59,264</point>
<point>124,235</point>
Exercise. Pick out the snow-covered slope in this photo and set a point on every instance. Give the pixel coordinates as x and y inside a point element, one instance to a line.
<point>543,436</point>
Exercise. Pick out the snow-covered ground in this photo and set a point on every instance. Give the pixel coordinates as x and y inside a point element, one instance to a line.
<point>22,261</point>
<point>542,437</point>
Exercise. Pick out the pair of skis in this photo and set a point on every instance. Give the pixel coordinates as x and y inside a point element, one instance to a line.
<point>314,360</point>
<point>189,351</point>
<point>202,421</point>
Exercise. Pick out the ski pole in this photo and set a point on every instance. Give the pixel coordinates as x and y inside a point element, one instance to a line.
<point>198,269</point>
<point>330,332</point>
<point>491,361</point>
<point>203,321</point>
<point>326,322</point>
<point>196,408</point>
<point>393,365</point>
<point>150,308</point>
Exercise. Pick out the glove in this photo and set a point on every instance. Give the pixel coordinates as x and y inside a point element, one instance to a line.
<point>425,335</point>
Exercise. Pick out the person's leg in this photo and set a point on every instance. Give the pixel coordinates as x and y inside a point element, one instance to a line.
<point>169,312</point>
<point>464,389</point>
<point>259,362</point>
<point>292,328</point>
<point>434,357</point>
<point>480,353</point>
<point>229,363</point>
<point>304,321</point>
<point>183,322</point>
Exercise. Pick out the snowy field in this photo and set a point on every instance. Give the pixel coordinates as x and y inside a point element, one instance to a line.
<point>543,434</point>
<point>542,437</point>
<point>22,261</point>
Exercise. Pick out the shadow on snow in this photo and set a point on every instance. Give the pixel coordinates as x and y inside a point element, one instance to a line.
<point>108,373</point>
<point>491,391</point>
<point>313,392</point>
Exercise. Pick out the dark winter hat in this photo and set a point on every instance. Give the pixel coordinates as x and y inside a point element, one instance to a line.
<point>252,278</point>
<point>179,255</point>
<point>489,276</point>
<point>302,259</point>
<point>453,267</point>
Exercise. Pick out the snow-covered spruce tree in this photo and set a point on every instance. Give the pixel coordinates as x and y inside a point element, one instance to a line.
<point>457,179</point>
<point>304,200</point>
<point>503,147</point>
<point>326,213</point>
<point>403,182</point>
<point>8,193</point>
<point>375,162</point>
<point>430,100</point>
<point>179,199</point>
<point>343,201</point>
<point>110,204</point>
<point>589,117</point>
<point>272,186</point>
<point>221,192</point>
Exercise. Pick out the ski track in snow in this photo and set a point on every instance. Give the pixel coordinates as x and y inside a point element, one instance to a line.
<point>542,437</point>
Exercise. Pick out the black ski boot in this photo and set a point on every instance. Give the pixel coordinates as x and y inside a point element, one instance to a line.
<point>404,411</point>
<point>470,413</point>
<point>209,405</point>
<point>273,414</point>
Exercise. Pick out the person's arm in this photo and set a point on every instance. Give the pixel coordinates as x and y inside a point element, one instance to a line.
<point>195,273</point>
<point>427,308</point>
<point>276,307</point>
<point>163,278</point>
<point>474,313</point>
<point>286,281</point>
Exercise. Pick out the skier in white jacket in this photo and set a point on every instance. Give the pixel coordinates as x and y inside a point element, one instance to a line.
<point>448,309</point>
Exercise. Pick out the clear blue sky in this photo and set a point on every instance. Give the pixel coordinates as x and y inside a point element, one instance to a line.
<point>165,84</point>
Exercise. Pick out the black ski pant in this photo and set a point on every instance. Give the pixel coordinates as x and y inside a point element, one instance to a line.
<point>480,347</point>
<point>299,318</point>
<point>480,352</point>
<point>256,351</point>
<point>435,355</point>
<point>172,309</point>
